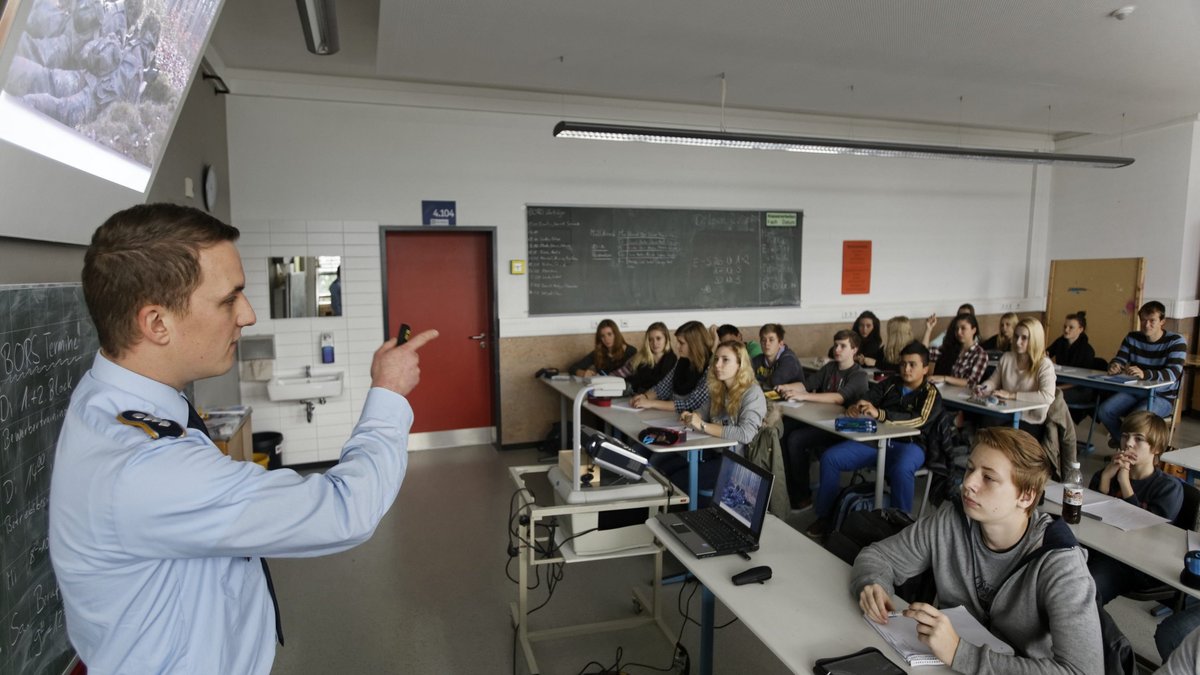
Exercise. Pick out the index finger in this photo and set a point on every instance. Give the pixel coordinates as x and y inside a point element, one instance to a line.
<point>419,341</point>
<point>923,613</point>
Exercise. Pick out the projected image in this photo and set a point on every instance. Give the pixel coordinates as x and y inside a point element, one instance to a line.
<point>114,71</point>
<point>740,495</point>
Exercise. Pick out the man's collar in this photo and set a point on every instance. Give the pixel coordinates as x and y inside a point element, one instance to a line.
<point>163,396</point>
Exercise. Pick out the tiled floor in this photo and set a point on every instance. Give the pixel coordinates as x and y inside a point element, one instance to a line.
<point>428,593</point>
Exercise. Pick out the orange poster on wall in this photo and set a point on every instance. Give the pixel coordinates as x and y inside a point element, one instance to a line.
<point>856,267</point>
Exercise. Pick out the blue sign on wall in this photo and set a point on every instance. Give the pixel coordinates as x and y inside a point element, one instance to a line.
<point>438,213</point>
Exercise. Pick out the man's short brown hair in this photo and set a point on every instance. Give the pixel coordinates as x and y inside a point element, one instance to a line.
<point>1030,468</point>
<point>145,255</point>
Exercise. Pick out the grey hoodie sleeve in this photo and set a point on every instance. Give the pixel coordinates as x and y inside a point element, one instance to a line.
<point>1066,595</point>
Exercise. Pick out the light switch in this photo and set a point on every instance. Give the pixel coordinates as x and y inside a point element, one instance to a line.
<point>189,190</point>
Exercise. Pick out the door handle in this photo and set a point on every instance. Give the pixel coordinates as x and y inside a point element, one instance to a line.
<point>477,337</point>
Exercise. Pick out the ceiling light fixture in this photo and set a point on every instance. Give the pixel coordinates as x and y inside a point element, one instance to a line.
<point>319,20</point>
<point>825,146</point>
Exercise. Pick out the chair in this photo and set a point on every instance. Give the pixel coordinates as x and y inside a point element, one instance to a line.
<point>1188,519</point>
<point>1173,421</point>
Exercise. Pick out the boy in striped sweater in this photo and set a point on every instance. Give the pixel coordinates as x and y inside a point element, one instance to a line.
<point>1153,353</point>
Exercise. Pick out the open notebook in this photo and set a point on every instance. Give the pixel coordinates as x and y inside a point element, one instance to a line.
<point>901,633</point>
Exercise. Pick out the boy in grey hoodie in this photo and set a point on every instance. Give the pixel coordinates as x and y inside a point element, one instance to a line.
<point>1023,575</point>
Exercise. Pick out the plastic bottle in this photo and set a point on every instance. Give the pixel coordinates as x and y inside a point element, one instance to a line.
<point>1072,505</point>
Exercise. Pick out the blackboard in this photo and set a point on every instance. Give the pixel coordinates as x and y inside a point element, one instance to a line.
<point>47,343</point>
<point>602,259</point>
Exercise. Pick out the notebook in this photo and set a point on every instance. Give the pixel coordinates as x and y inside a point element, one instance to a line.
<point>734,520</point>
<point>901,633</point>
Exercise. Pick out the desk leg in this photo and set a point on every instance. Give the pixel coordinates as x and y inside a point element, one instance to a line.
<point>693,478</point>
<point>1016,420</point>
<point>707,612</point>
<point>564,414</point>
<point>880,460</point>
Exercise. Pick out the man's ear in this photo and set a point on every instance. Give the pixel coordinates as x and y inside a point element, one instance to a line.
<point>1026,499</point>
<point>153,325</point>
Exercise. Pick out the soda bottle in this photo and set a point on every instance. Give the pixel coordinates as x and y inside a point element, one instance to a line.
<point>1072,505</point>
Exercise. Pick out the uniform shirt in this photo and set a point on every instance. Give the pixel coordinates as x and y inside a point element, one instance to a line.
<point>154,542</point>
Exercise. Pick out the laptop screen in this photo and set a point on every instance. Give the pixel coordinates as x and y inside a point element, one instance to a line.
<point>741,491</point>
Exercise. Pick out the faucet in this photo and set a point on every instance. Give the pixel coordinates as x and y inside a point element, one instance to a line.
<point>309,406</point>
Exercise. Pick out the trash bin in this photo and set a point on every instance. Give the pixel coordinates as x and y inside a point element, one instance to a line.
<point>269,443</point>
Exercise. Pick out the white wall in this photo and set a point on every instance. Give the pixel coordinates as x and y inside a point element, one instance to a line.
<point>1149,209</point>
<point>356,335</point>
<point>944,231</point>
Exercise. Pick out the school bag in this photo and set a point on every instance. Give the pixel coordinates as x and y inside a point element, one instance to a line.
<point>859,495</point>
<point>863,528</point>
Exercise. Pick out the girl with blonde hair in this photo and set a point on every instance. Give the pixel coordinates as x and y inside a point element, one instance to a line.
<point>683,387</point>
<point>652,361</point>
<point>1025,373</point>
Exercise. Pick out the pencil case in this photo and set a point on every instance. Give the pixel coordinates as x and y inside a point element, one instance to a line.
<point>857,425</point>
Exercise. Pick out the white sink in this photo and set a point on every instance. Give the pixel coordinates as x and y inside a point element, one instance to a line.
<point>301,387</point>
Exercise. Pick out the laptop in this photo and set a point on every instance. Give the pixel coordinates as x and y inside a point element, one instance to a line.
<point>733,522</point>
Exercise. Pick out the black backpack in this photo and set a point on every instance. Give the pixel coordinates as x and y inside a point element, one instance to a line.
<point>863,528</point>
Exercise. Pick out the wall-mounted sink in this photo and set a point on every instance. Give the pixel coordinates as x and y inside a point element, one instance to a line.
<point>305,387</point>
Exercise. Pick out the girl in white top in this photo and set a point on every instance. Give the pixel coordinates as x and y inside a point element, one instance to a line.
<point>1025,373</point>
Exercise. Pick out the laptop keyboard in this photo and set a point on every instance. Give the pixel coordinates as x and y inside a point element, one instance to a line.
<point>715,531</point>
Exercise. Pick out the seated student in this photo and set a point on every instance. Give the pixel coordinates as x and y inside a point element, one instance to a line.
<point>1073,349</point>
<point>777,365</point>
<point>907,400</point>
<point>841,381</point>
<point>1133,475</point>
<point>1043,606</point>
<point>965,308</point>
<point>683,387</point>
<point>899,335</point>
<point>1178,641</point>
<point>868,328</point>
<point>652,362</point>
<point>1152,353</point>
<point>1002,341</point>
<point>961,361</point>
<point>735,412</point>
<point>610,353</point>
<point>1024,374</point>
<point>728,331</point>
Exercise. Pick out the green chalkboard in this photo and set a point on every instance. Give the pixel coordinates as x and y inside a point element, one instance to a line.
<point>47,343</point>
<point>585,259</point>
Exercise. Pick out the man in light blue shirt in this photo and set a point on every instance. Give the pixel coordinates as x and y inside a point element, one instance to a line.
<point>155,535</point>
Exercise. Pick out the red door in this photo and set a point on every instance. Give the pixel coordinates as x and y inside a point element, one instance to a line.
<point>443,280</point>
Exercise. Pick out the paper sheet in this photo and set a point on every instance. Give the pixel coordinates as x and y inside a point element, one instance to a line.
<point>901,633</point>
<point>1122,515</point>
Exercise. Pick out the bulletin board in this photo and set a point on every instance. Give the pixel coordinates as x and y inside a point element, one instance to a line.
<point>1109,290</point>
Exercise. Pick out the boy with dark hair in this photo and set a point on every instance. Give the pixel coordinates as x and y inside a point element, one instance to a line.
<point>905,399</point>
<point>728,331</point>
<point>1019,572</point>
<point>1152,353</point>
<point>777,364</point>
<point>841,381</point>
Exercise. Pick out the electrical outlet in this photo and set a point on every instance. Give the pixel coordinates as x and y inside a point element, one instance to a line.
<point>850,315</point>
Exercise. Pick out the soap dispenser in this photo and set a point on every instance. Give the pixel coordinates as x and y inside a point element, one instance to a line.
<point>326,347</point>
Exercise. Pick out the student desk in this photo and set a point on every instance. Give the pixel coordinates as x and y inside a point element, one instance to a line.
<point>956,397</point>
<point>1157,551</point>
<point>1083,377</point>
<point>630,423</point>
<point>1188,458</point>
<point>803,613</point>
<point>821,415</point>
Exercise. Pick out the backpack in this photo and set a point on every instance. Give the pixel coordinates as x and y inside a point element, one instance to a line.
<point>859,495</point>
<point>862,528</point>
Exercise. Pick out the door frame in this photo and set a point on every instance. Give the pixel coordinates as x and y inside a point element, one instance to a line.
<point>493,283</point>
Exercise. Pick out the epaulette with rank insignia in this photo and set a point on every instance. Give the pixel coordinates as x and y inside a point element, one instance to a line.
<point>155,427</point>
